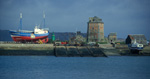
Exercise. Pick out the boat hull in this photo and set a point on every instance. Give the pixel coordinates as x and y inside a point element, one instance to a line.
<point>29,37</point>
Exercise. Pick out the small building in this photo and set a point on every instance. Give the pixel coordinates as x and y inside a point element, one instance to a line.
<point>112,37</point>
<point>140,38</point>
<point>78,39</point>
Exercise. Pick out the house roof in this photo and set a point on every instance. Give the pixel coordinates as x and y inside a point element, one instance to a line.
<point>137,37</point>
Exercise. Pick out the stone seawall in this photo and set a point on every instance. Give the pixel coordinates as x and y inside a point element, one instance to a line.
<point>50,50</point>
<point>26,49</point>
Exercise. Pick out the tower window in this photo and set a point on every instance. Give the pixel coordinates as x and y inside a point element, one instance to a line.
<point>92,28</point>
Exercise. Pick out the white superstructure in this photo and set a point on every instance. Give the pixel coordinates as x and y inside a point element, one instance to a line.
<point>39,31</point>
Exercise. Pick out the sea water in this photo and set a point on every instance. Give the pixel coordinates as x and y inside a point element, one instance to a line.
<point>50,67</point>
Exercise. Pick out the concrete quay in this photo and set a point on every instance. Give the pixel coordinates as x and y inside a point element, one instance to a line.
<point>26,49</point>
<point>68,51</point>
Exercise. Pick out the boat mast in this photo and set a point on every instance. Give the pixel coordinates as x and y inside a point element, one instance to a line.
<point>20,27</point>
<point>135,41</point>
<point>44,19</point>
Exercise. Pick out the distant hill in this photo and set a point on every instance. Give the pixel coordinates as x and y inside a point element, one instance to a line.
<point>120,38</point>
<point>5,36</point>
<point>65,35</point>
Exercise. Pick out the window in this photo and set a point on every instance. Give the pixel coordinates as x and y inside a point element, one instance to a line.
<point>92,28</point>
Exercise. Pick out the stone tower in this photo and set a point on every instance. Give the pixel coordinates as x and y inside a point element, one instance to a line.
<point>95,30</point>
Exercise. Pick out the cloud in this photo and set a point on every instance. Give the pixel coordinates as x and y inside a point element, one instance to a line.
<point>65,16</point>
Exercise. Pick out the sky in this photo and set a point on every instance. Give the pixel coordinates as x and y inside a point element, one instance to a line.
<point>121,16</point>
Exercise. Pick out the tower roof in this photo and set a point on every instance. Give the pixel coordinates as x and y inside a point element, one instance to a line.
<point>95,19</point>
